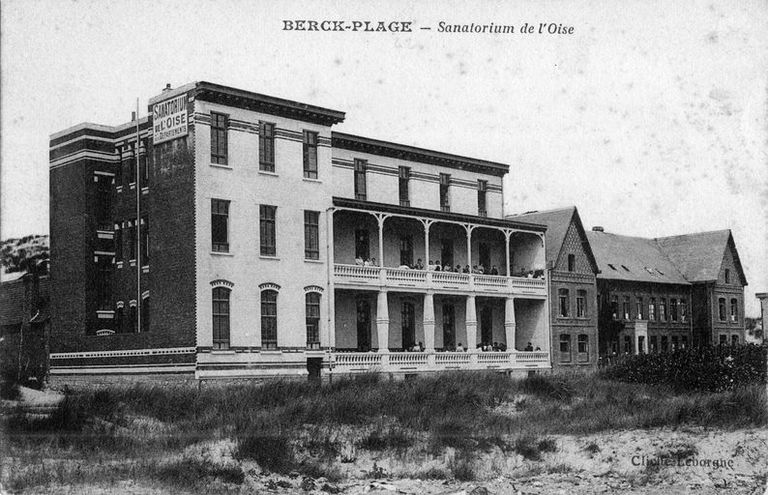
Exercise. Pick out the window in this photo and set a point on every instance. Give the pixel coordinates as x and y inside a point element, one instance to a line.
<point>565,302</point>
<point>723,339</point>
<point>654,344</point>
<point>145,241</point>
<point>405,177</point>
<point>734,310</point>
<point>220,225</point>
<point>684,342</point>
<point>721,308</point>
<point>581,303</point>
<point>134,319</point>
<point>119,174</point>
<point>311,235</point>
<point>615,307</point>
<point>482,187</point>
<point>406,250</point>
<point>445,201</point>
<point>145,315</point>
<point>484,251</point>
<point>627,345</point>
<point>683,310</point>
<point>312,310</point>
<point>652,309</point>
<point>144,170</point>
<point>103,202</point>
<point>361,192</point>
<point>267,229</point>
<point>675,343</point>
<point>673,309</point>
<point>571,262</point>
<point>446,252</point>
<point>362,245</point>
<point>130,167</point>
<point>625,307</point>
<point>266,147</point>
<point>269,319</point>
<point>219,124</point>
<point>565,348</point>
<point>639,314</point>
<point>727,276</point>
<point>104,282</point>
<point>583,347</point>
<point>663,309</point>
<point>734,340</point>
<point>118,241</point>
<point>310,155</point>
<point>664,343</point>
<point>119,320</point>
<point>132,239</point>
<point>221,317</point>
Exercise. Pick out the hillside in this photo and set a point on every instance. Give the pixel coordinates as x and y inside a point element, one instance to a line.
<point>19,253</point>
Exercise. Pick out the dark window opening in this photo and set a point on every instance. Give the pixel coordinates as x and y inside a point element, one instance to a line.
<point>485,256</point>
<point>267,229</point>
<point>406,250</point>
<point>446,252</point>
<point>219,124</point>
<point>221,318</point>
<point>362,245</point>
<point>266,147</point>
<point>311,235</point>
<point>219,225</point>
<point>361,189</point>
<point>269,319</point>
<point>564,302</point>
<point>404,193</point>
<point>310,155</point>
<point>408,325</point>
<point>571,262</point>
<point>364,326</point>
<point>312,310</point>
<point>482,187</point>
<point>581,304</point>
<point>565,348</point>
<point>449,327</point>
<point>445,200</point>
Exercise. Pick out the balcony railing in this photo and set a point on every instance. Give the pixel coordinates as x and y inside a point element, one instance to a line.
<point>355,275</point>
<point>353,362</point>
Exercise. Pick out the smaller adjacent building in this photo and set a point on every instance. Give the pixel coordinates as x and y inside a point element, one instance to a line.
<point>571,274</point>
<point>657,295</point>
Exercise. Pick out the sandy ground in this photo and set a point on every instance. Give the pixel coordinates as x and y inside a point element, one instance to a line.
<point>573,469</point>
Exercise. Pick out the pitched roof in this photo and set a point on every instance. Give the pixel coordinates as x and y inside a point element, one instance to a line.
<point>700,256</point>
<point>557,222</point>
<point>621,257</point>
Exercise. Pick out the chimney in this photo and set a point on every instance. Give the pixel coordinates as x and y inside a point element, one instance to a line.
<point>133,116</point>
<point>167,87</point>
<point>598,228</point>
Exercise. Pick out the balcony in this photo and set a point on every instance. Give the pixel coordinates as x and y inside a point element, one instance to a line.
<point>355,276</point>
<point>362,362</point>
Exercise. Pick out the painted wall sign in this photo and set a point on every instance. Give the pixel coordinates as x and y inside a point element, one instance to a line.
<point>169,119</point>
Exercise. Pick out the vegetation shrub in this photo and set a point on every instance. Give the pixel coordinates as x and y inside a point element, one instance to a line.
<point>391,438</point>
<point>708,368</point>
<point>271,452</point>
<point>186,472</point>
<point>552,386</point>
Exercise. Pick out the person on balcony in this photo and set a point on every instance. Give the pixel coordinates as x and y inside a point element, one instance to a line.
<point>447,268</point>
<point>438,267</point>
<point>529,347</point>
<point>419,264</point>
<point>457,269</point>
<point>466,269</point>
<point>373,262</point>
<point>480,269</point>
<point>494,270</point>
<point>404,267</point>
<point>431,266</point>
<point>459,348</point>
<point>502,347</point>
<point>359,261</point>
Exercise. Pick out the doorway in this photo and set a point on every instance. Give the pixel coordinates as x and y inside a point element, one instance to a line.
<point>363,325</point>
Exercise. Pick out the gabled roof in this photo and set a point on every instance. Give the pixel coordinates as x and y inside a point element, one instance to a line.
<point>557,222</point>
<point>621,257</point>
<point>700,256</point>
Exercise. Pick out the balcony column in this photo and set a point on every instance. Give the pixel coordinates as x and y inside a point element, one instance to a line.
<point>427,224</point>
<point>382,271</point>
<point>471,316</point>
<point>507,235</point>
<point>429,322</point>
<point>510,325</point>
<point>382,321</point>
<point>469,228</point>
<point>330,339</point>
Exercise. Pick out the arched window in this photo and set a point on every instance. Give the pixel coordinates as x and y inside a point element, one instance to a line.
<point>312,310</point>
<point>269,319</point>
<point>134,319</point>
<point>221,317</point>
<point>734,310</point>
<point>119,319</point>
<point>721,308</point>
<point>145,314</point>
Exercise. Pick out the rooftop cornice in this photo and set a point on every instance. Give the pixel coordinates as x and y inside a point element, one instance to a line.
<point>412,153</point>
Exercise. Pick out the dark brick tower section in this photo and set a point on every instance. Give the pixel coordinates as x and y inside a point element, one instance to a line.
<point>85,257</point>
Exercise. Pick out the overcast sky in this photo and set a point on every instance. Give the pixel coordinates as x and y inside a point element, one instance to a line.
<point>651,117</point>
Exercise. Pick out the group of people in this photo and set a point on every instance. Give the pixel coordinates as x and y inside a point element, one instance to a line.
<point>437,266</point>
<point>366,262</point>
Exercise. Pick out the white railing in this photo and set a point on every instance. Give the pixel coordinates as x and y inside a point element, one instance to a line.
<point>451,359</point>
<point>532,358</point>
<point>408,359</point>
<point>491,281</point>
<point>357,359</point>
<point>368,275</point>
<point>352,362</point>
<point>415,277</point>
<point>497,358</point>
<point>357,271</point>
<point>450,278</point>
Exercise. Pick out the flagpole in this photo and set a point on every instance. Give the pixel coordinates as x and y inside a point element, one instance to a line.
<point>138,223</point>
